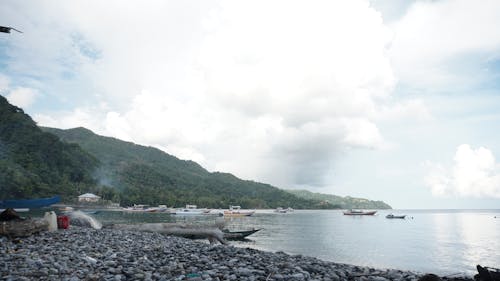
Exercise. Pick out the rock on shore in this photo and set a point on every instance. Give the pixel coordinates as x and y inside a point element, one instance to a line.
<point>88,254</point>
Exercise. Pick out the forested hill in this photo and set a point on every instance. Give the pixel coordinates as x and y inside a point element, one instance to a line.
<point>341,202</point>
<point>150,176</point>
<point>42,162</point>
<point>34,163</point>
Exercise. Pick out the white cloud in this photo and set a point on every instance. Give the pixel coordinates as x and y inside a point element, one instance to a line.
<point>268,90</point>
<point>445,44</point>
<point>475,173</point>
<point>22,97</point>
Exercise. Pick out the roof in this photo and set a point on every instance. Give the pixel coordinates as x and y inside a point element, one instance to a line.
<point>89,195</point>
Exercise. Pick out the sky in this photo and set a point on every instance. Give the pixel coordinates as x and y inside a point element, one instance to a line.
<point>387,100</point>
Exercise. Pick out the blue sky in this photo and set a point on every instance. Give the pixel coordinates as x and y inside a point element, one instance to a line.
<point>388,100</point>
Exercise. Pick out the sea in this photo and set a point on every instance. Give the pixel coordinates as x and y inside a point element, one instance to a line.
<point>444,242</point>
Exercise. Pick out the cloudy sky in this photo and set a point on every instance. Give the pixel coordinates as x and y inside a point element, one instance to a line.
<point>388,100</point>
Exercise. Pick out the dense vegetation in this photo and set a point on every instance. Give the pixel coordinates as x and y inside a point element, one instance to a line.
<point>34,163</point>
<point>42,162</point>
<point>339,201</point>
<point>150,176</point>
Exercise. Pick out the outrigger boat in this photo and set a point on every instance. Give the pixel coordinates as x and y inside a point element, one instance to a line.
<point>359,213</point>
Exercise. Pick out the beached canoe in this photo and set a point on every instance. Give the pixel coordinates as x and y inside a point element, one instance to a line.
<point>238,235</point>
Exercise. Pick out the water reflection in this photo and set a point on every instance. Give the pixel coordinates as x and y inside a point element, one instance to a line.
<point>474,230</point>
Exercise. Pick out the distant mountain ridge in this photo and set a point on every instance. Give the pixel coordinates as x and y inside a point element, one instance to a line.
<point>339,201</point>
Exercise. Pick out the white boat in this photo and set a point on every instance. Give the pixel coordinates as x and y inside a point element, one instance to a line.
<point>159,209</point>
<point>235,211</point>
<point>280,210</point>
<point>191,210</point>
<point>136,208</point>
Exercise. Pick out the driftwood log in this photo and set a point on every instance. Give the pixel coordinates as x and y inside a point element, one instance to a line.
<point>22,228</point>
<point>211,232</point>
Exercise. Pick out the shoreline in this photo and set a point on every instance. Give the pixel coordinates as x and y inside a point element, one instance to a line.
<point>87,254</point>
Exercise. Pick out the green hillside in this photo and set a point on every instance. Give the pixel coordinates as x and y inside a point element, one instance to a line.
<point>41,162</point>
<point>34,163</point>
<point>339,201</point>
<point>150,176</point>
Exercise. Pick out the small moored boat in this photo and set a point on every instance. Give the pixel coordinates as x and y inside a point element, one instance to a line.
<point>191,210</point>
<point>136,208</point>
<point>359,213</point>
<point>280,210</point>
<point>392,216</point>
<point>235,211</point>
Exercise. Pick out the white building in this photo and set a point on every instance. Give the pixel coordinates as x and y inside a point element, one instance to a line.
<point>88,197</point>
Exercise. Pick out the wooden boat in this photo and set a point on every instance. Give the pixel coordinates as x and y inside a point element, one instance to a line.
<point>391,216</point>
<point>359,213</point>
<point>29,203</point>
<point>235,211</point>
<point>238,235</point>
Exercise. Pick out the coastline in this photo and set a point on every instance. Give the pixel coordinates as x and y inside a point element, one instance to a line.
<point>87,254</point>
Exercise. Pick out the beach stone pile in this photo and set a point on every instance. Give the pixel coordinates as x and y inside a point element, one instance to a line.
<point>87,254</point>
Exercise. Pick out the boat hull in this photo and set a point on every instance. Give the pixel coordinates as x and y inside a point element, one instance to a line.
<point>238,235</point>
<point>395,217</point>
<point>238,214</point>
<point>192,213</point>
<point>29,203</point>
<point>360,213</point>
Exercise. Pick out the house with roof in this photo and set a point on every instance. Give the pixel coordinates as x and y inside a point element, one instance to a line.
<point>88,197</point>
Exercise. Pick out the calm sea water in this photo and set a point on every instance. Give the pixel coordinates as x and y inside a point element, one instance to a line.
<point>438,241</point>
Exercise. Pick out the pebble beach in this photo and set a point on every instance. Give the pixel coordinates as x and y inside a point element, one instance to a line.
<point>80,253</point>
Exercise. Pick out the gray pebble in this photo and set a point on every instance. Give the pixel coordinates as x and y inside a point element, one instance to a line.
<point>80,253</point>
